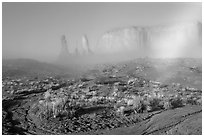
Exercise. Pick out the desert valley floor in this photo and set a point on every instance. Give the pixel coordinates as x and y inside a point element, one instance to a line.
<point>142,96</point>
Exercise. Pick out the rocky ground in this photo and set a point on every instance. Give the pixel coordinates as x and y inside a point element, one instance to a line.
<point>142,96</point>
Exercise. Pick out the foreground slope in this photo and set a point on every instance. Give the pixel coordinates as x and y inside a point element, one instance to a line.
<point>180,121</point>
<point>133,97</point>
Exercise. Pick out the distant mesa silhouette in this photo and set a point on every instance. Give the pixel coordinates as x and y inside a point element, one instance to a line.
<point>178,40</point>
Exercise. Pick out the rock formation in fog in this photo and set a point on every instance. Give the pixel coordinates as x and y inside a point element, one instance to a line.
<point>80,54</point>
<point>165,41</point>
<point>64,52</point>
<point>81,50</point>
<point>85,45</point>
<point>175,40</point>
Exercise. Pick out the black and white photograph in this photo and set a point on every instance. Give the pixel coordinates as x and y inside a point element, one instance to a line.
<point>101,68</point>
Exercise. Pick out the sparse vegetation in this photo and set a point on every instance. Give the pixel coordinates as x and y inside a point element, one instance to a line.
<point>106,102</point>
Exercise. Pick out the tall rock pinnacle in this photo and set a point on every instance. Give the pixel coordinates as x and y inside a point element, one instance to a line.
<point>64,43</point>
<point>64,50</point>
<point>85,45</point>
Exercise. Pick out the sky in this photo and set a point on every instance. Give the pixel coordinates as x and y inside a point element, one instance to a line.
<point>34,30</point>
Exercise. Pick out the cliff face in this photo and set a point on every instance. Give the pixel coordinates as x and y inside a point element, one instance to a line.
<point>80,54</point>
<point>82,49</point>
<point>177,40</point>
<point>181,40</point>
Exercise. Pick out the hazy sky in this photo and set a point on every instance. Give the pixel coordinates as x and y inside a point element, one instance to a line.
<point>34,29</point>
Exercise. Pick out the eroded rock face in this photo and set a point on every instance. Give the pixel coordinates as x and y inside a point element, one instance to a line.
<point>79,54</point>
<point>180,40</point>
<point>176,40</point>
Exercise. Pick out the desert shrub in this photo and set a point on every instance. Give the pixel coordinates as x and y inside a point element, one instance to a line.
<point>199,101</point>
<point>176,102</point>
<point>137,104</point>
<point>134,105</point>
<point>155,104</point>
<point>128,111</point>
<point>140,105</point>
<point>167,105</point>
<point>191,101</point>
<point>144,106</point>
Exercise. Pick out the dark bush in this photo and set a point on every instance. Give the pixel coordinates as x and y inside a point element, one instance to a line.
<point>176,102</point>
<point>155,104</point>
